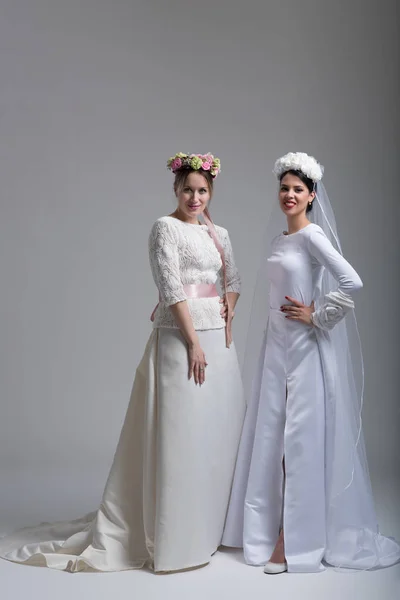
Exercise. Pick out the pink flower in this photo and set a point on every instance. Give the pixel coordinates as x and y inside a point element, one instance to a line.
<point>176,164</point>
<point>206,166</point>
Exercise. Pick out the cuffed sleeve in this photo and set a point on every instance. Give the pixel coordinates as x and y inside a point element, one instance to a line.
<point>334,308</point>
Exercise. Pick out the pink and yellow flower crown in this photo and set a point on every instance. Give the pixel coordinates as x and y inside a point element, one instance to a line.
<point>207,162</point>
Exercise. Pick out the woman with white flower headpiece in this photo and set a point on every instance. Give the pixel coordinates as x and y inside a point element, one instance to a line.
<point>301,492</point>
<point>166,497</point>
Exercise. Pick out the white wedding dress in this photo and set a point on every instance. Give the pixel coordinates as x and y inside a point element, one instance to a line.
<point>166,497</point>
<point>297,392</point>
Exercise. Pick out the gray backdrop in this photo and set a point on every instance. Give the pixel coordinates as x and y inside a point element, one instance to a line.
<point>95,96</point>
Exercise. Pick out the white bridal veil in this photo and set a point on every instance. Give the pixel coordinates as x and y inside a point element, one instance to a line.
<point>353,538</point>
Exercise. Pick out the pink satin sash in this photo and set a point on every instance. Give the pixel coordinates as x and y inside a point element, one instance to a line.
<point>201,290</point>
<point>195,290</point>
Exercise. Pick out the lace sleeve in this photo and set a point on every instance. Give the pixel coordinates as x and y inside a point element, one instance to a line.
<point>232,274</point>
<point>338,302</point>
<point>164,262</point>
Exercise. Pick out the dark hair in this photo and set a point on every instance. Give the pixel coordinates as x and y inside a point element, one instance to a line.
<point>309,183</point>
<point>182,175</point>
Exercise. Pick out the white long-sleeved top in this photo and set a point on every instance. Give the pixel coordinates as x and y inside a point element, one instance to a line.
<point>183,253</point>
<point>296,268</point>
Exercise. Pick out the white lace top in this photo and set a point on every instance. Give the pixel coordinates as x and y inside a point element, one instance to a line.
<point>183,253</point>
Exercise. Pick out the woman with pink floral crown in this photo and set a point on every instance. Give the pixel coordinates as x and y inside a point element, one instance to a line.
<point>166,497</point>
<point>301,495</point>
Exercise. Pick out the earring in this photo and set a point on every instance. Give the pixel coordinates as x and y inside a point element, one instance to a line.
<point>309,204</point>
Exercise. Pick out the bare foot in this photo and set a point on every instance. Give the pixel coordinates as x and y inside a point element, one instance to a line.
<point>278,555</point>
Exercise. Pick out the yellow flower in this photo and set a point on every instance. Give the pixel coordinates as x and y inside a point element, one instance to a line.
<point>196,163</point>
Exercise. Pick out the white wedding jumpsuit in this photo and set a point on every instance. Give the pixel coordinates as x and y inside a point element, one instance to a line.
<point>287,421</point>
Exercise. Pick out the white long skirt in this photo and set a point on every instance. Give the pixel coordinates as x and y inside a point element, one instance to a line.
<point>166,497</point>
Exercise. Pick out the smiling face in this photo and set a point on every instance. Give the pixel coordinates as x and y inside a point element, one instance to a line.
<point>294,196</point>
<point>193,196</point>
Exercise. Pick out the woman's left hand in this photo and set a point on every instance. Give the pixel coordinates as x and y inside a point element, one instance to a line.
<point>297,311</point>
<point>224,309</point>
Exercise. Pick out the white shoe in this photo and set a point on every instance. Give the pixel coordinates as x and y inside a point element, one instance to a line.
<point>275,568</point>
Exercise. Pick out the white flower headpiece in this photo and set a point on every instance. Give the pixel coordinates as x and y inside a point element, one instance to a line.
<point>299,161</point>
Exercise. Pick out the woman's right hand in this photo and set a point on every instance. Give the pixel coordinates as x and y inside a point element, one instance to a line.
<point>197,364</point>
